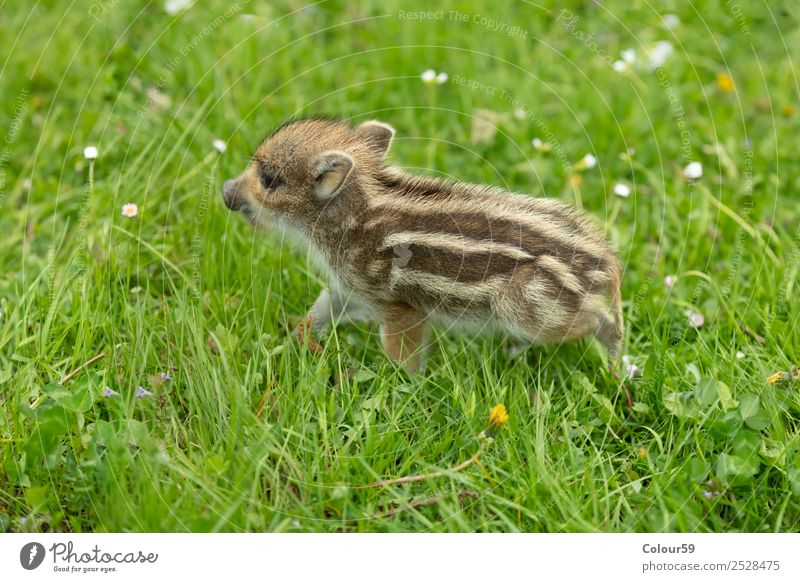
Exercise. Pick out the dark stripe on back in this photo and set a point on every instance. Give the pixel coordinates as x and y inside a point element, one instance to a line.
<point>466,267</point>
<point>473,226</point>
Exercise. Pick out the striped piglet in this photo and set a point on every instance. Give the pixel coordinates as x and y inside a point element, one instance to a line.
<point>414,248</point>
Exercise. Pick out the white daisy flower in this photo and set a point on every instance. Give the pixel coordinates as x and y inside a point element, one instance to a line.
<point>90,153</point>
<point>669,281</point>
<point>172,7</point>
<point>631,369</point>
<point>587,162</point>
<point>658,53</point>
<point>628,55</point>
<point>693,171</point>
<point>620,66</point>
<point>428,76</point>
<point>130,210</point>
<point>540,145</point>
<point>670,21</point>
<point>219,145</point>
<point>696,319</point>
<point>622,190</point>
<point>740,355</point>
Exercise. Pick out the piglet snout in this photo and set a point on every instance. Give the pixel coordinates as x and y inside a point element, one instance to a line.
<point>231,194</point>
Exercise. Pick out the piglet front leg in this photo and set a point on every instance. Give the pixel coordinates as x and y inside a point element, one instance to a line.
<point>327,307</point>
<point>332,306</point>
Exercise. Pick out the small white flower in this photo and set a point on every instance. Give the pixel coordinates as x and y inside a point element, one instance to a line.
<point>540,145</point>
<point>588,162</point>
<point>631,369</point>
<point>172,7</point>
<point>441,78</point>
<point>622,190</point>
<point>130,210</point>
<point>740,355</point>
<point>670,21</point>
<point>26,184</point>
<point>669,281</point>
<point>519,113</point>
<point>219,145</point>
<point>696,319</point>
<point>158,99</point>
<point>628,55</point>
<point>658,53</point>
<point>428,76</point>
<point>90,153</point>
<point>693,171</point>
<point>620,66</point>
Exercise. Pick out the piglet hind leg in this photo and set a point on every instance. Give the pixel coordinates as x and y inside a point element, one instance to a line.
<point>404,334</point>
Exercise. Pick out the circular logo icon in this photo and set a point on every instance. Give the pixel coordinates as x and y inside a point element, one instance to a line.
<point>31,555</point>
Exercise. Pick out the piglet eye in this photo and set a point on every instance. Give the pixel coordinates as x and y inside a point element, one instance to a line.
<point>270,181</point>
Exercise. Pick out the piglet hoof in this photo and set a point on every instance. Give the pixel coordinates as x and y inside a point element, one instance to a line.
<point>304,334</point>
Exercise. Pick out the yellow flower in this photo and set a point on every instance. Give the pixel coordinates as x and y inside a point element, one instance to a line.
<point>725,82</point>
<point>775,378</point>
<point>498,417</point>
<point>575,180</point>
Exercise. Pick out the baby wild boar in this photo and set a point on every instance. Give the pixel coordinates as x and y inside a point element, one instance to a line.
<point>414,248</point>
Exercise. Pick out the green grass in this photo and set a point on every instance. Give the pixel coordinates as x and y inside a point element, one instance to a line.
<point>255,433</point>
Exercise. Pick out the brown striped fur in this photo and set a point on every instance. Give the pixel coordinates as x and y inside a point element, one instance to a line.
<point>410,247</point>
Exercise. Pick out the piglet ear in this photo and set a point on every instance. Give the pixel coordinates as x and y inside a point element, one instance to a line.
<point>378,135</point>
<point>330,171</point>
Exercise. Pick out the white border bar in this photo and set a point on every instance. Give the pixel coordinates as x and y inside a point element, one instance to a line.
<point>407,557</point>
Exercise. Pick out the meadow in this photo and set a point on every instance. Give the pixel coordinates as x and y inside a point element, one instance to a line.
<point>673,124</point>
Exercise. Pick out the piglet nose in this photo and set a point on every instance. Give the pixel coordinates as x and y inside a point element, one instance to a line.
<point>230,194</point>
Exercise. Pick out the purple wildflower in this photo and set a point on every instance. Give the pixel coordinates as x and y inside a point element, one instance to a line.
<point>109,393</point>
<point>142,393</point>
